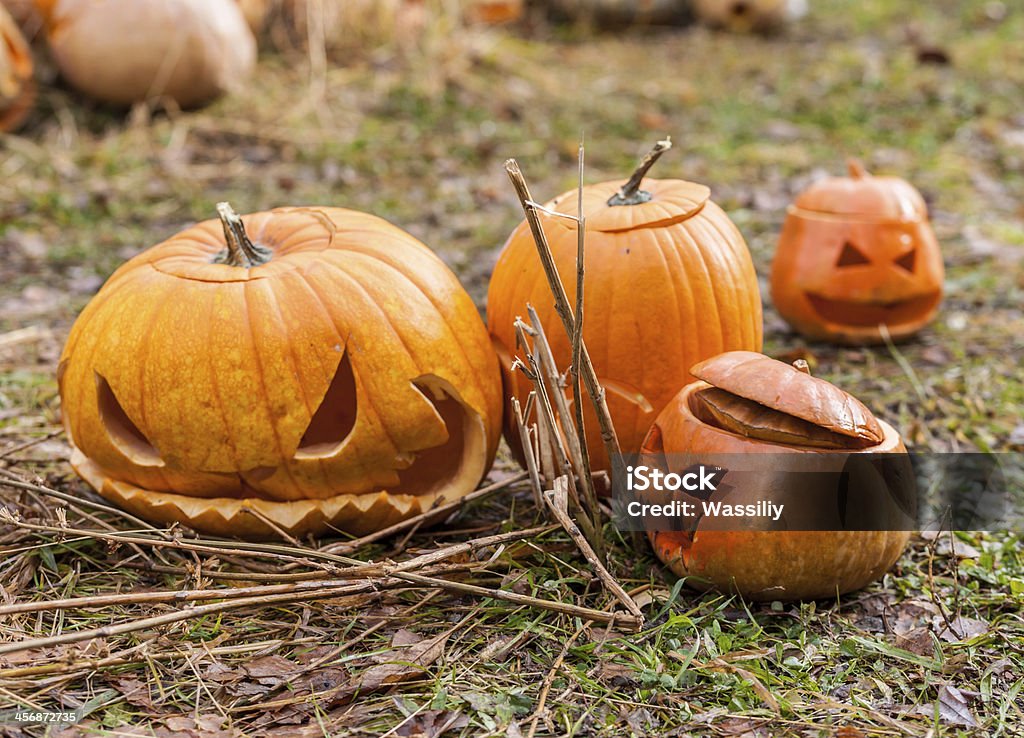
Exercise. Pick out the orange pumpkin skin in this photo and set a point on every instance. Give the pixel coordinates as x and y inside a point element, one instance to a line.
<point>668,282</point>
<point>17,89</point>
<point>347,382</point>
<point>767,565</point>
<point>854,253</point>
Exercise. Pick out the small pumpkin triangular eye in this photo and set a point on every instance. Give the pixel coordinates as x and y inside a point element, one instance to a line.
<point>907,261</point>
<point>851,256</point>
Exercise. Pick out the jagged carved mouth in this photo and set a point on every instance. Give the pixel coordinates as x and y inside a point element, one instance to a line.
<point>870,314</point>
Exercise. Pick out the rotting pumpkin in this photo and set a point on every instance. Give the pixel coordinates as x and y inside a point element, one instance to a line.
<point>776,418</point>
<point>856,253</point>
<point>127,51</point>
<point>300,369</point>
<point>669,282</point>
<point>17,88</point>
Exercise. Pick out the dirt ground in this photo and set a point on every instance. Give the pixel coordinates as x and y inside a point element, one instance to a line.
<point>417,133</point>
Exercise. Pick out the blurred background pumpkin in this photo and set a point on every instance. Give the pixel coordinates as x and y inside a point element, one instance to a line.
<point>857,253</point>
<point>127,51</point>
<point>17,88</point>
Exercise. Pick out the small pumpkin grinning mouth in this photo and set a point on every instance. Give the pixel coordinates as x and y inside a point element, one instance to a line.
<point>870,314</point>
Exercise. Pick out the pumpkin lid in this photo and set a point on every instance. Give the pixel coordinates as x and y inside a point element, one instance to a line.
<point>636,203</point>
<point>670,201</point>
<point>865,196</point>
<point>782,387</point>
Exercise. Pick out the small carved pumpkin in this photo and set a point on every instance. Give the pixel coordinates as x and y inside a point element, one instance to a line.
<point>670,282</point>
<point>857,252</point>
<point>303,368</point>
<point>748,404</point>
<point>126,51</point>
<point>17,89</point>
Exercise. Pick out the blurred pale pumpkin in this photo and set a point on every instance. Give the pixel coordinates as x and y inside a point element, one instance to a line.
<point>126,51</point>
<point>17,90</point>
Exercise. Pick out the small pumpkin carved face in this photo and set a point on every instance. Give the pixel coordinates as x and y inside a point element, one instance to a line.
<point>748,403</point>
<point>856,253</point>
<point>306,367</point>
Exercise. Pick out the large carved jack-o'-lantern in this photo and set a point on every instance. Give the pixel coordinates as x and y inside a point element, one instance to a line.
<point>670,282</point>
<point>772,418</point>
<point>856,253</point>
<point>300,369</point>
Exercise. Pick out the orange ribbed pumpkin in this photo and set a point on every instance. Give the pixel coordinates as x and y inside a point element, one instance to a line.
<point>857,252</point>
<point>669,282</point>
<point>17,89</point>
<point>748,403</point>
<point>331,372</point>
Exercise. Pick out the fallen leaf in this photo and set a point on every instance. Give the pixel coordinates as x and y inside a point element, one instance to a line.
<point>616,675</point>
<point>403,638</point>
<point>933,55</point>
<point>963,629</point>
<point>399,665</point>
<point>270,666</point>
<point>134,691</point>
<point>953,707</point>
<point>918,640</point>
<point>432,724</point>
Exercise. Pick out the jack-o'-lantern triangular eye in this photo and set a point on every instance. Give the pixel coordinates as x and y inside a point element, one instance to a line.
<point>121,429</point>
<point>907,261</point>
<point>335,418</point>
<point>851,256</point>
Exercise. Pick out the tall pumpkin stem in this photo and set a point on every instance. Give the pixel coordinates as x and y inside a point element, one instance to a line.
<point>241,252</point>
<point>630,193</point>
<point>855,168</point>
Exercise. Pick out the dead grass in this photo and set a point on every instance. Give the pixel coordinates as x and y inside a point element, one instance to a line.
<point>418,135</point>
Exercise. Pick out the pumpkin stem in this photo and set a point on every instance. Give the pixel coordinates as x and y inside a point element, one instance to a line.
<point>801,365</point>
<point>241,252</point>
<point>856,168</point>
<point>630,193</point>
